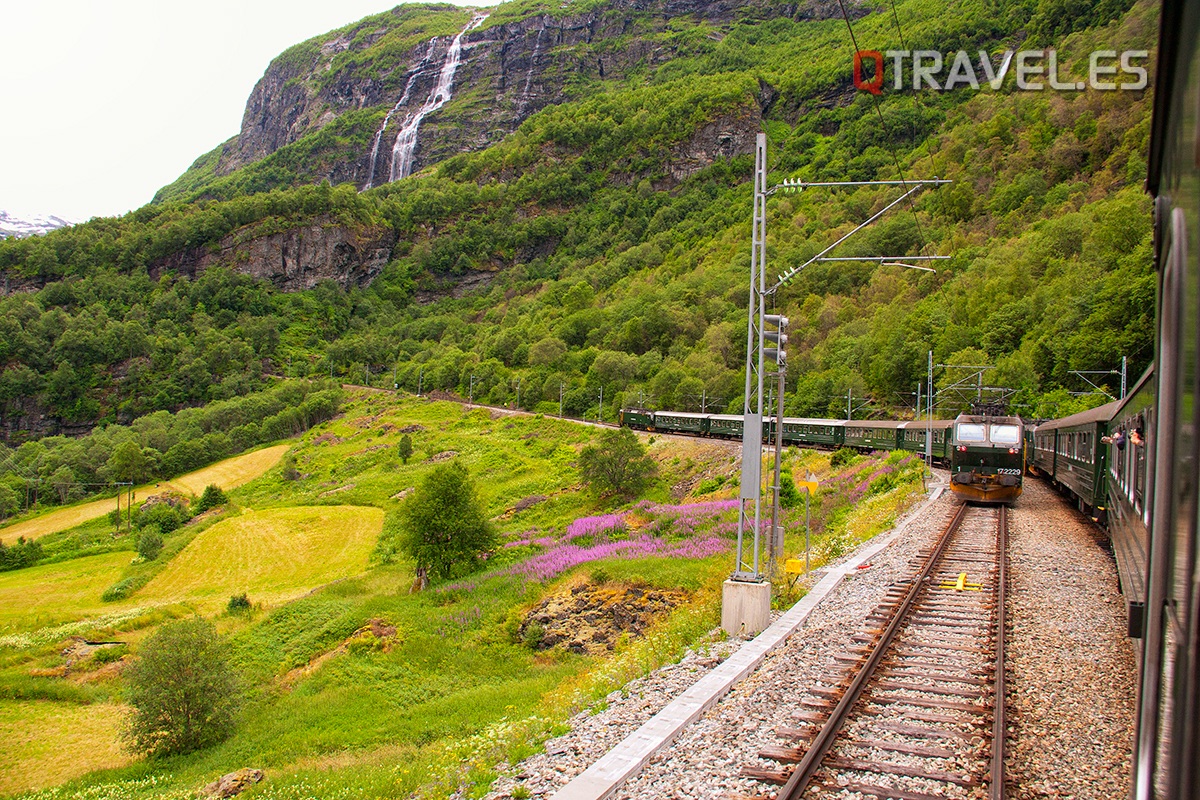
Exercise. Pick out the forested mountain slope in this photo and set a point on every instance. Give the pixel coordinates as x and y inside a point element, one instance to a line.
<point>579,213</point>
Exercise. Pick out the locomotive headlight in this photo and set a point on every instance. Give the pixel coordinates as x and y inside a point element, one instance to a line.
<point>962,448</point>
<point>1012,451</point>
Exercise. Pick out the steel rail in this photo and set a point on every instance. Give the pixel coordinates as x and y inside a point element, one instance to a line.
<point>996,780</point>
<point>807,768</point>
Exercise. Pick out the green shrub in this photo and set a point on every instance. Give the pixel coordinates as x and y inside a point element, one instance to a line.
<point>842,457</point>
<point>107,655</point>
<point>119,590</point>
<point>211,498</point>
<point>163,516</point>
<point>238,604</point>
<point>149,544</point>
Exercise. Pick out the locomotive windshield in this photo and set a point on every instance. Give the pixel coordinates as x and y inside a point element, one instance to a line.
<point>1006,434</point>
<point>970,432</point>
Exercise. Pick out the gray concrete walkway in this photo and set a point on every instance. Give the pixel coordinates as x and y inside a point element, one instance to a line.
<point>603,778</point>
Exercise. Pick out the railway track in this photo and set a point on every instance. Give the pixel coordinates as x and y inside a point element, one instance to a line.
<point>913,709</point>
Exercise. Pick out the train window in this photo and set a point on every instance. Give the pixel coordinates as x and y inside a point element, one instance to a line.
<point>970,432</point>
<point>1005,434</point>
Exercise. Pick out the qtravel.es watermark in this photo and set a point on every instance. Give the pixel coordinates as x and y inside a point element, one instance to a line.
<point>1035,70</point>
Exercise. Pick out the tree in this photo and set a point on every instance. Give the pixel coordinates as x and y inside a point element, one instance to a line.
<point>445,527</point>
<point>182,689</point>
<point>618,464</point>
<point>406,448</point>
<point>62,480</point>
<point>128,463</point>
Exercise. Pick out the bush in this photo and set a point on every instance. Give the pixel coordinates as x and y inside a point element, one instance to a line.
<point>238,604</point>
<point>149,544</point>
<point>842,457</point>
<point>107,655</point>
<point>182,690</point>
<point>618,464</point>
<point>119,590</point>
<point>22,554</point>
<point>211,498</point>
<point>789,496</point>
<point>161,516</point>
<point>405,449</point>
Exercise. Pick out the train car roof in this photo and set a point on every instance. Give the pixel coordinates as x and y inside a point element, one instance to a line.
<point>1098,414</point>
<point>922,424</point>
<point>686,414</point>
<point>872,423</point>
<point>836,423</point>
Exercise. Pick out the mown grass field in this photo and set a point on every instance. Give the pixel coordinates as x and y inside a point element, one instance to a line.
<point>232,472</point>
<point>49,594</point>
<point>227,474</point>
<point>48,743</point>
<point>272,555</point>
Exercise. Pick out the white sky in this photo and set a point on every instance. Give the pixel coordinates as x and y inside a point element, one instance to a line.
<point>106,101</point>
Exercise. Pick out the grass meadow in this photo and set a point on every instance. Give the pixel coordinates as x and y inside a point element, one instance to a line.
<point>272,555</point>
<point>51,594</point>
<point>330,710</point>
<point>37,734</point>
<point>227,474</point>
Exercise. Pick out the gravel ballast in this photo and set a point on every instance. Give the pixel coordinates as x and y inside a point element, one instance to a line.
<point>1070,671</point>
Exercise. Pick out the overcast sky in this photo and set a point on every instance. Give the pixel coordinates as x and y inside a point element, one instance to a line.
<point>106,101</point>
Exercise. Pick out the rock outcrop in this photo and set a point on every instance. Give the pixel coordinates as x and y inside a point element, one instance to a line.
<point>590,619</point>
<point>233,783</point>
<point>295,258</point>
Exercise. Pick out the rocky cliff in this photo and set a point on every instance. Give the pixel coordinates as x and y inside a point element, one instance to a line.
<point>295,258</point>
<point>343,98</point>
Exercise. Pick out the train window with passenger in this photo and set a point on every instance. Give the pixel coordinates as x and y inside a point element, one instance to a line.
<point>970,432</point>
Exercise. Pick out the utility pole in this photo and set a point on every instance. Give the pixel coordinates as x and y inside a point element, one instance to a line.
<point>849,407</point>
<point>746,596</point>
<point>518,393</point>
<point>420,380</point>
<point>929,426</point>
<point>394,384</point>
<point>600,408</point>
<point>1124,368</point>
<point>560,396</point>
<point>471,395</point>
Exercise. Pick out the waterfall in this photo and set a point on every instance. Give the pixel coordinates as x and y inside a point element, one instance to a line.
<point>416,72</point>
<point>523,100</point>
<point>406,139</point>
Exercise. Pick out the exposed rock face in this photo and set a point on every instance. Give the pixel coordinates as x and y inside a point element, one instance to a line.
<point>233,783</point>
<point>590,619</point>
<point>296,258</point>
<point>509,71</point>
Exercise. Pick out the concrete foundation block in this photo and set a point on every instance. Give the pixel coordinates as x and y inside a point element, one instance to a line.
<point>745,607</point>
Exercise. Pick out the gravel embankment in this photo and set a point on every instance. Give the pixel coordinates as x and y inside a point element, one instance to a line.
<point>1070,676</point>
<point>1070,665</point>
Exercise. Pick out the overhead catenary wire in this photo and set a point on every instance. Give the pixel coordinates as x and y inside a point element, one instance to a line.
<point>883,123</point>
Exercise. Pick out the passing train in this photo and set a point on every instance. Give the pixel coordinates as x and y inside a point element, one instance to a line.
<point>1154,448</point>
<point>985,453</point>
<point>831,434</point>
<point>987,457</point>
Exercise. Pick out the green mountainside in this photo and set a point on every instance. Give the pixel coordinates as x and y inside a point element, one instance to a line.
<point>598,237</point>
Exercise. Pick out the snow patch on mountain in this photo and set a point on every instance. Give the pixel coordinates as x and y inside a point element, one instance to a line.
<point>34,225</point>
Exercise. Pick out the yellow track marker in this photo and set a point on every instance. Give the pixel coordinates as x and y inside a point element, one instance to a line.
<point>961,584</point>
